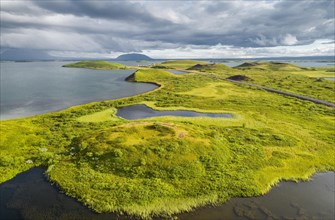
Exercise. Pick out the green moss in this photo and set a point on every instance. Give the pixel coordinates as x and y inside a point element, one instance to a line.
<point>273,66</point>
<point>286,77</point>
<point>166,165</point>
<point>178,64</point>
<point>97,64</point>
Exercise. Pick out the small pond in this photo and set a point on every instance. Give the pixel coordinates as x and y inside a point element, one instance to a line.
<point>30,196</point>
<point>133,112</point>
<point>330,78</point>
<point>177,71</point>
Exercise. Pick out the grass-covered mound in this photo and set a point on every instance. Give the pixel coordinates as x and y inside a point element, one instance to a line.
<point>179,64</point>
<point>273,66</point>
<point>210,67</point>
<point>97,64</point>
<point>284,77</point>
<point>166,165</point>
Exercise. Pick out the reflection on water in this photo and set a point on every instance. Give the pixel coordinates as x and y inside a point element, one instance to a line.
<point>30,196</point>
<point>288,200</point>
<point>32,88</point>
<point>176,71</point>
<point>133,112</point>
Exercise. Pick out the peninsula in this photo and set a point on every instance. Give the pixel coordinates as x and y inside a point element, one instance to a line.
<point>160,166</point>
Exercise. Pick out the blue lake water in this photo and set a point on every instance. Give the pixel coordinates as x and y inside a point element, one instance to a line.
<point>37,87</point>
<point>31,88</point>
<point>177,71</point>
<point>142,111</point>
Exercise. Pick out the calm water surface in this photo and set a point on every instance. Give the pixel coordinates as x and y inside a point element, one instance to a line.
<point>30,196</point>
<point>31,88</point>
<point>142,111</point>
<point>176,71</point>
<point>39,87</point>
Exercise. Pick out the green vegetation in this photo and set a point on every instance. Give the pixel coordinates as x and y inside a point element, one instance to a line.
<point>166,165</point>
<point>209,67</point>
<point>272,66</point>
<point>286,77</point>
<point>98,64</point>
<point>178,64</point>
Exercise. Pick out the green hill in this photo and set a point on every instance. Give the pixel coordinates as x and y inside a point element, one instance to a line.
<point>97,64</point>
<point>209,67</point>
<point>274,66</point>
<point>179,64</point>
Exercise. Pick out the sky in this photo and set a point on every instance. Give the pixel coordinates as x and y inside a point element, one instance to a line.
<point>169,29</point>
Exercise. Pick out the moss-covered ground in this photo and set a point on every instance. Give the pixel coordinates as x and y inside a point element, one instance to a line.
<point>97,64</point>
<point>165,165</point>
<point>285,77</point>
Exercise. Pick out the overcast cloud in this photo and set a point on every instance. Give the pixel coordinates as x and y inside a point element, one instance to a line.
<point>170,29</point>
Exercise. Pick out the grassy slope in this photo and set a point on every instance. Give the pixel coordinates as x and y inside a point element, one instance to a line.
<point>179,64</point>
<point>284,77</point>
<point>97,64</point>
<point>166,165</point>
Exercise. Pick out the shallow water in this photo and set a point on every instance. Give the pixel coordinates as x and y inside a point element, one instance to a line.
<point>176,71</point>
<point>30,196</point>
<point>133,112</point>
<point>330,78</point>
<point>31,88</point>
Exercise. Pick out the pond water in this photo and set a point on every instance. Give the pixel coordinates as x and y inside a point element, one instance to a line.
<point>330,78</point>
<point>30,196</point>
<point>31,88</point>
<point>133,112</point>
<point>177,71</point>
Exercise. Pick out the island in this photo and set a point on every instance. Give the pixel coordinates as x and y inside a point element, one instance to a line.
<point>161,166</point>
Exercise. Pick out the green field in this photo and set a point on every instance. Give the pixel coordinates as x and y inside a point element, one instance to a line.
<point>97,64</point>
<point>166,165</point>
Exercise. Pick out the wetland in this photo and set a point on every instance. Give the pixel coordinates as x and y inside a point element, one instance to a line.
<point>163,166</point>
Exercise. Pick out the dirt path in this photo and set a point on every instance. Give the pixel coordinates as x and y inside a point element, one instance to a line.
<point>317,101</point>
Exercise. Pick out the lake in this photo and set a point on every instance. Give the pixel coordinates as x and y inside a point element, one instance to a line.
<point>30,196</point>
<point>31,88</point>
<point>177,71</point>
<point>133,112</point>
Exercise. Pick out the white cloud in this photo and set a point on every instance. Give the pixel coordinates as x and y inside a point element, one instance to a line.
<point>184,29</point>
<point>318,48</point>
<point>53,40</point>
<point>289,40</point>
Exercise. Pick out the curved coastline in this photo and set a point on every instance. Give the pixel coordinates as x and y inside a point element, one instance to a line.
<point>36,183</point>
<point>161,127</point>
<point>127,79</point>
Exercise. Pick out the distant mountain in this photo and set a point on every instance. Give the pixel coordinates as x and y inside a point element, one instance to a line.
<point>132,57</point>
<point>12,54</point>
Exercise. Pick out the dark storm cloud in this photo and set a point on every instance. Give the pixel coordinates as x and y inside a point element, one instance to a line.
<point>114,10</point>
<point>121,26</point>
